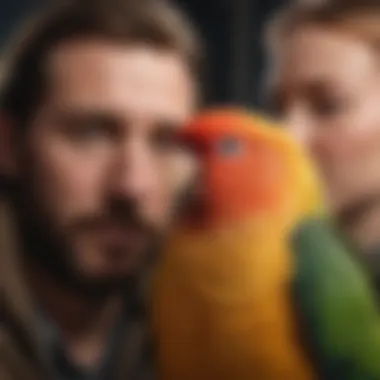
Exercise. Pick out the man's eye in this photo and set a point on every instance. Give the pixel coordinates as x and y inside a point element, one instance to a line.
<point>165,140</point>
<point>230,146</point>
<point>89,131</point>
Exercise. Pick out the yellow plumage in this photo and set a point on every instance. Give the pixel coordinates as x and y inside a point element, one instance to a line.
<point>222,304</point>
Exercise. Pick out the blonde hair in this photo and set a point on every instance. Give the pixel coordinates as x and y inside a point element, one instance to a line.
<point>360,18</point>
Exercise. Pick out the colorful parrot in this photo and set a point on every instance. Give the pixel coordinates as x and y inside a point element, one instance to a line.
<point>255,283</point>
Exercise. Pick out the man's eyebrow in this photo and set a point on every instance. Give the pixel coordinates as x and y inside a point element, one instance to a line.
<point>168,126</point>
<point>68,115</point>
<point>167,131</point>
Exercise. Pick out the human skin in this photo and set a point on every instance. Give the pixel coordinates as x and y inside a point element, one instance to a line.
<point>326,86</point>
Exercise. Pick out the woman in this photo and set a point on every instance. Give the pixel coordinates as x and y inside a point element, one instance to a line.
<point>325,82</point>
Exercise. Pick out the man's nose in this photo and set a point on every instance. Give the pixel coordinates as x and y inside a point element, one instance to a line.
<point>133,174</point>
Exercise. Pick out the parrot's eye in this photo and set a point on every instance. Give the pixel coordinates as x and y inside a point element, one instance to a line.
<point>230,146</point>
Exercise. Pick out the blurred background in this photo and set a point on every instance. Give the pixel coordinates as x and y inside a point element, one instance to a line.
<point>233,33</point>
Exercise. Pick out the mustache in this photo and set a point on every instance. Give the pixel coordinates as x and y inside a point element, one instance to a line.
<point>120,213</point>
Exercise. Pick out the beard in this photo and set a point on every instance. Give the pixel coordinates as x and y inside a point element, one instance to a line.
<point>51,244</point>
<point>53,248</point>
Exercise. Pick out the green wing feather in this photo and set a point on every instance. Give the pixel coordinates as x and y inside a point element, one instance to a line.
<point>337,305</point>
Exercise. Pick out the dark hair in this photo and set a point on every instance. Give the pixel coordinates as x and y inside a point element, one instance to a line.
<point>153,22</point>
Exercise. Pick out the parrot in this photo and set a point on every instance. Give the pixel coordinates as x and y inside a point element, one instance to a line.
<point>255,281</point>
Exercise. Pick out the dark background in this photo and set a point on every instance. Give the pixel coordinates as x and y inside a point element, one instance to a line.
<point>232,30</point>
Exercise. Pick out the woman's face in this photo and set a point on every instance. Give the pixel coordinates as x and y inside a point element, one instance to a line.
<point>326,86</point>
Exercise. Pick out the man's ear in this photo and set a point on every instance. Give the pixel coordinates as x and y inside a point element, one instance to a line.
<point>8,147</point>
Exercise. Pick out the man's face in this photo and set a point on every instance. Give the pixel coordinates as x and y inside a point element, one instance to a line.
<point>104,168</point>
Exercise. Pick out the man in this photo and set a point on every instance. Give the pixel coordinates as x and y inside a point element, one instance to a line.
<point>89,110</point>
